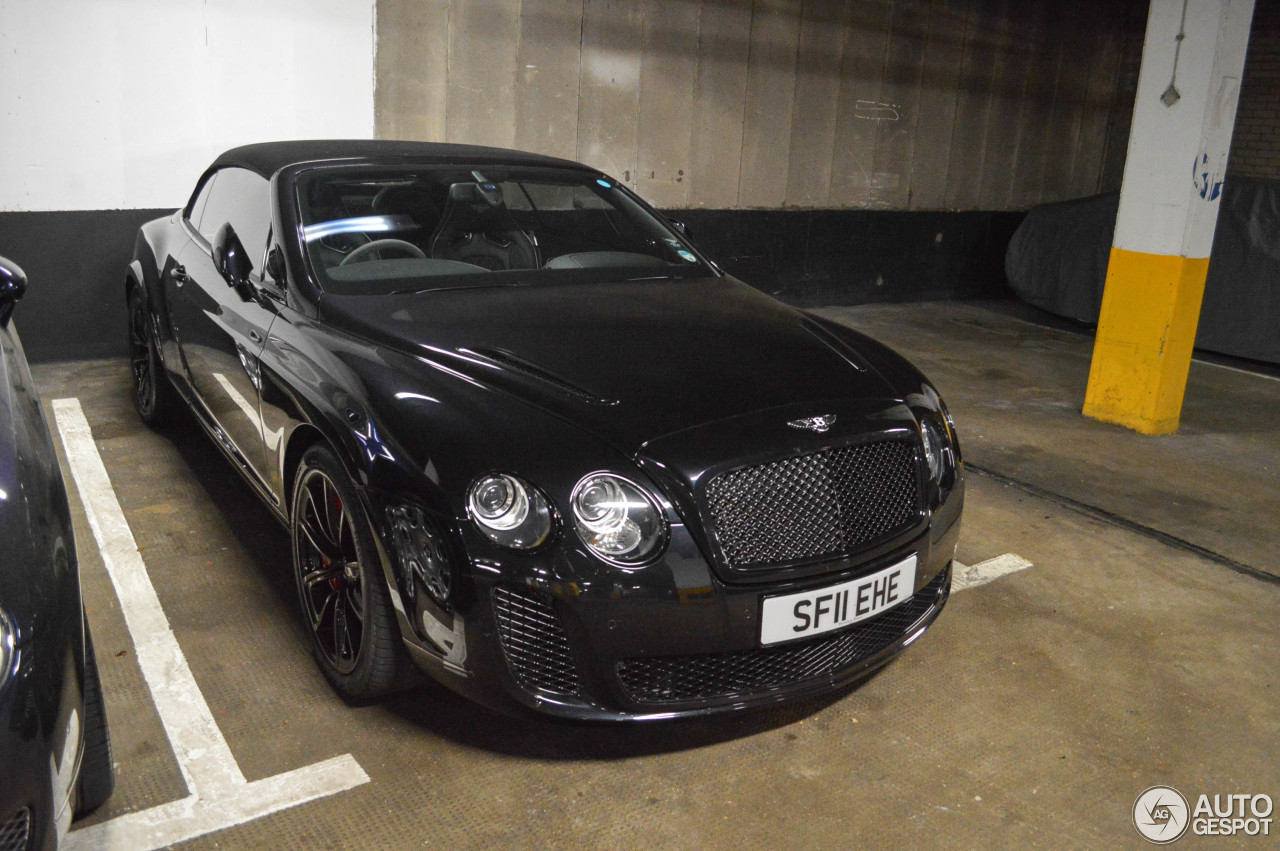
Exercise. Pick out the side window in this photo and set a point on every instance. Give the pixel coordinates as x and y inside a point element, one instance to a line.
<point>243,199</point>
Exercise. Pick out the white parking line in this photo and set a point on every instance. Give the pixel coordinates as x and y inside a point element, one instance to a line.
<point>219,796</point>
<point>966,576</point>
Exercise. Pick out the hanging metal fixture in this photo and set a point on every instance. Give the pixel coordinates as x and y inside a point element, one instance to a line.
<point>1172,95</point>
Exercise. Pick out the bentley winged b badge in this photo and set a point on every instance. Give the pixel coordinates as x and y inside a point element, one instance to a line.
<point>819,423</point>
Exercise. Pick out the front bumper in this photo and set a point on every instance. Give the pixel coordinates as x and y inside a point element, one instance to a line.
<point>40,744</point>
<point>562,638</point>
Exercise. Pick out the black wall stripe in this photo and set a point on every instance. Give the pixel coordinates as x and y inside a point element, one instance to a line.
<point>75,263</point>
<point>813,258</point>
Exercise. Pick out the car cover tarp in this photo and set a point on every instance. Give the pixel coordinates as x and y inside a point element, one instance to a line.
<point>1057,261</point>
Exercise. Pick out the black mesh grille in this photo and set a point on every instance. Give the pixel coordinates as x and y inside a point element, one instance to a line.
<point>15,831</point>
<point>533,640</point>
<point>745,672</point>
<point>825,504</point>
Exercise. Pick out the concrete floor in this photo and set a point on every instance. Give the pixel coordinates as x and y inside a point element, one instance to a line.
<point>1140,649</point>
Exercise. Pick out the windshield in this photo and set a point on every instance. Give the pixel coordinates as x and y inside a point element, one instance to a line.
<point>380,230</point>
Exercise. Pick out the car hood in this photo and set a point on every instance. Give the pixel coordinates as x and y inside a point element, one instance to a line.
<point>630,361</point>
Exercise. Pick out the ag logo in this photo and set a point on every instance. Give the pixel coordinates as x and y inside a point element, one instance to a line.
<point>1161,814</point>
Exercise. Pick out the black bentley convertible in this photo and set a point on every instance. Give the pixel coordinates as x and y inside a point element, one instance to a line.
<point>527,437</point>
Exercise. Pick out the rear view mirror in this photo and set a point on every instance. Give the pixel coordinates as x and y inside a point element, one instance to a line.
<point>230,258</point>
<point>680,227</point>
<point>13,284</point>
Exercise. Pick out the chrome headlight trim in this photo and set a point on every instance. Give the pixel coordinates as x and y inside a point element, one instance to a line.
<point>608,510</point>
<point>509,511</point>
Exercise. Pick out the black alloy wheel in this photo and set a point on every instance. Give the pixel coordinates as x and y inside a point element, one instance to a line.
<point>344,600</point>
<point>153,395</point>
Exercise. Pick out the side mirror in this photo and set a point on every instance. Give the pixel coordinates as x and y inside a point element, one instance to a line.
<point>275,266</point>
<point>13,284</point>
<point>230,258</point>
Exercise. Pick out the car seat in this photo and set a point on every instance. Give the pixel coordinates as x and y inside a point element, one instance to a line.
<point>476,227</point>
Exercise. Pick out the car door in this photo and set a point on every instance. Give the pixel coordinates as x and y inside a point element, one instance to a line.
<point>220,330</point>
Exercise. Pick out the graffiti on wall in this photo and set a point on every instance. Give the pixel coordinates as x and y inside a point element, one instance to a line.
<point>1207,176</point>
<point>874,110</point>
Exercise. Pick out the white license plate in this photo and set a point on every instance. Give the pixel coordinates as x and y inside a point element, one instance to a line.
<point>820,610</point>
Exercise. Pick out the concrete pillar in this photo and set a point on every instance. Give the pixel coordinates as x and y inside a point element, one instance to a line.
<point>1192,63</point>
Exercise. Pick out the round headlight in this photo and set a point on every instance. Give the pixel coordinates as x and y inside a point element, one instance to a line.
<point>509,512</point>
<point>617,519</point>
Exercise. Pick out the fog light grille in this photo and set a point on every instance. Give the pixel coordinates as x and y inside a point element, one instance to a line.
<point>746,672</point>
<point>533,640</point>
<point>16,831</point>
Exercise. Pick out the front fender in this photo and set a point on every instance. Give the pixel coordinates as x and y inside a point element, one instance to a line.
<point>155,239</point>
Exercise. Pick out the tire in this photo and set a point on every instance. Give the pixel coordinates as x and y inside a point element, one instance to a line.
<point>97,773</point>
<point>154,397</point>
<point>343,596</point>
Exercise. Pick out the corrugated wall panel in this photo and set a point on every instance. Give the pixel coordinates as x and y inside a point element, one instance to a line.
<point>1104,72</point>
<point>766,119</point>
<point>1018,40</point>
<point>900,93</point>
<point>813,120</point>
<point>609,92</point>
<point>724,45</point>
<point>864,104</point>
<point>480,91</point>
<point>415,107</point>
<point>548,70</point>
<point>939,95</point>
<point>669,64</point>
<point>1038,120</point>
<point>860,109</point>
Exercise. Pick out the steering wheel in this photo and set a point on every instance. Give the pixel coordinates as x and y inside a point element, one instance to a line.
<point>379,245</point>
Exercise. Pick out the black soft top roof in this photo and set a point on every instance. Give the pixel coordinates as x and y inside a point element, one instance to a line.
<point>266,158</point>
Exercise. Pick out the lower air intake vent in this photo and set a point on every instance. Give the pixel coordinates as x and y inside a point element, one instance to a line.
<point>16,831</point>
<point>743,673</point>
<point>534,641</point>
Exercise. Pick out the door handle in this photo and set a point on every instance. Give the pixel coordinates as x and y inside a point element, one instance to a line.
<point>255,336</point>
<point>179,274</point>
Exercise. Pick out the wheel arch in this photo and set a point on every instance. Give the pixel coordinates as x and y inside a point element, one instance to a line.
<point>133,277</point>
<point>302,438</point>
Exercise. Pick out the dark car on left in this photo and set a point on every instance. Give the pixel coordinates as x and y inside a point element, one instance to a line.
<point>55,750</point>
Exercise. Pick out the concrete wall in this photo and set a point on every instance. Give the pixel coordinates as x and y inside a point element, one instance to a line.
<point>728,104</point>
<point>122,104</point>
<point>112,110</point>
<point>1255,144</point>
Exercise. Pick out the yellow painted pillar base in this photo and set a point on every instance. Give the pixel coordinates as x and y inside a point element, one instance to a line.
<point>1146,332</point>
